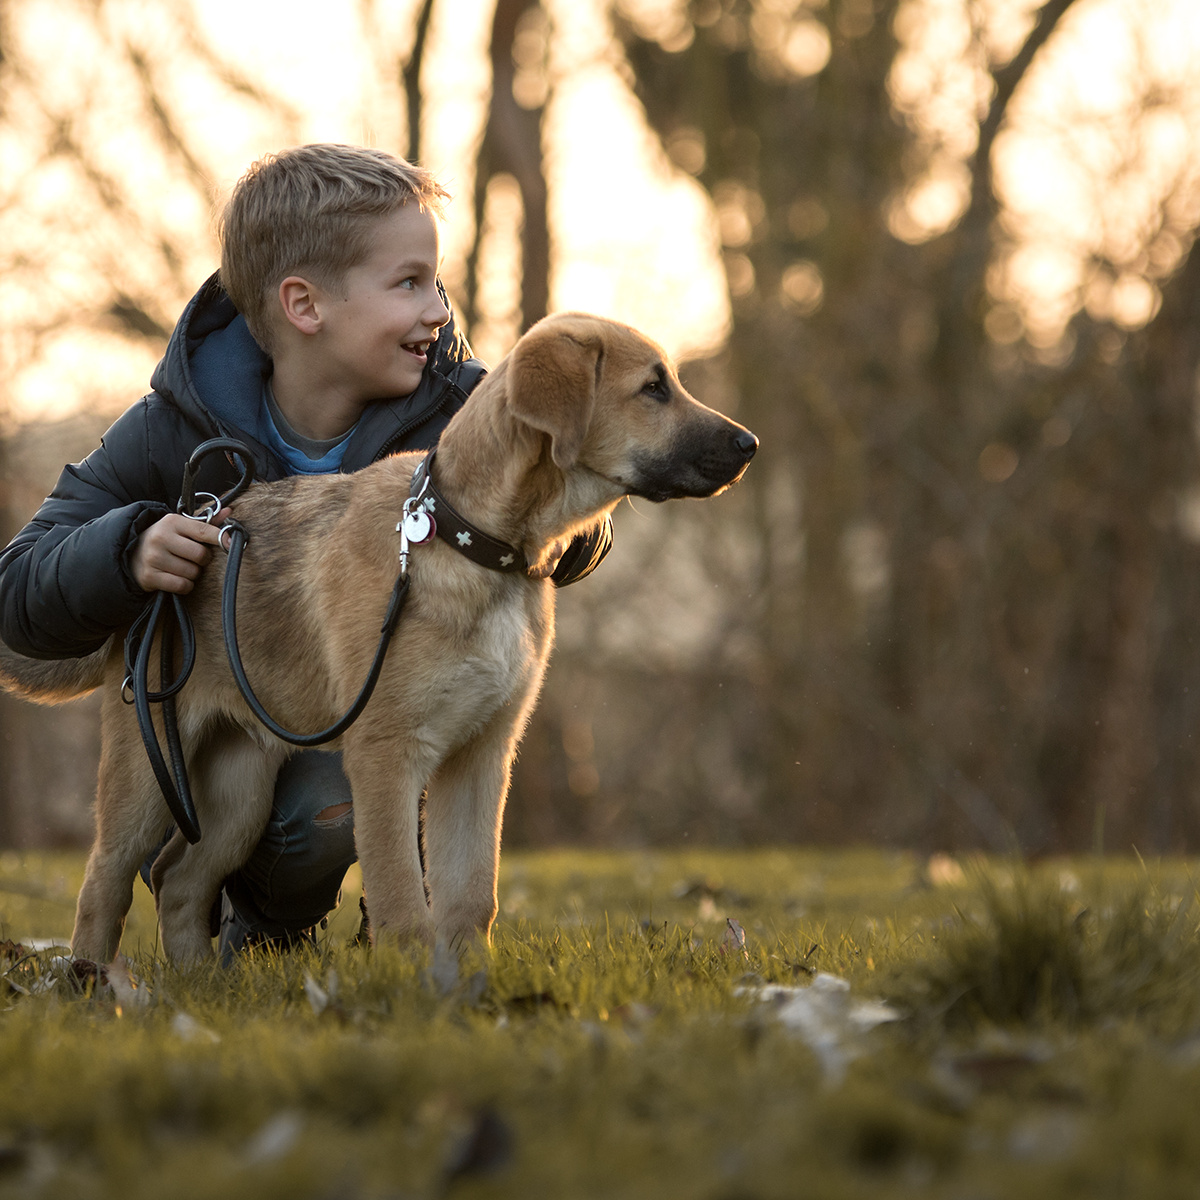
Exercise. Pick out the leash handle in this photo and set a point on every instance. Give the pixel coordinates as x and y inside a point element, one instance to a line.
<point>219,445</point>
<point>139,640</point>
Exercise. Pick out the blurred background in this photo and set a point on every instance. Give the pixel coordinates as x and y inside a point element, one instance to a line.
<point>935,253</point>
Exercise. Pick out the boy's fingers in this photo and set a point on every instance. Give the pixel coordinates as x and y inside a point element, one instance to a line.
<point>199,531</point>
<point>160,581</point>
<point>171,554</point>
<point>188,565</point>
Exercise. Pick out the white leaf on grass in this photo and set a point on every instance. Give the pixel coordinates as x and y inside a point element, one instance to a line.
<point>60,967</point>
<point>824,1015</point>
<point>274,1139</point>
<point>130,991</point>
<point>190,1030</point>
<point>318,997</point>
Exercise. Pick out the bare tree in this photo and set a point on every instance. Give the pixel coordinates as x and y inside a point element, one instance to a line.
<point>968,560</point>
<point>511,145</point>
<point>94,262</point>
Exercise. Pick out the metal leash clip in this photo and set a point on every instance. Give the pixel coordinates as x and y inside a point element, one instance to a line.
<point>415,528</point>
<point>207,512</point>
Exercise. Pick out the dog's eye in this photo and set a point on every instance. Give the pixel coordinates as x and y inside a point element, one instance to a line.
<point>656,388</point>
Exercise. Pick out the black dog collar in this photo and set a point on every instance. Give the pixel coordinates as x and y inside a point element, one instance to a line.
<point>455,530</point>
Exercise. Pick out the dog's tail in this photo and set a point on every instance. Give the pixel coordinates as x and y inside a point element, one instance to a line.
<point>52,681</point>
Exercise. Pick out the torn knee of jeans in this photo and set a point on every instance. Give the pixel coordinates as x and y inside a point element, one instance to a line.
<point>334,814</point>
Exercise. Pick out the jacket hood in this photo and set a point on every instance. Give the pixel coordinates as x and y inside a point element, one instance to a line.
<point>214,371</point>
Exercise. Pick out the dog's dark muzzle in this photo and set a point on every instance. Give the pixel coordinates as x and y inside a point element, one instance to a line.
<point>704,463</point>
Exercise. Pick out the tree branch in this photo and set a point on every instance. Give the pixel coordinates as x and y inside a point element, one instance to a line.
<point>1007,79</point>
<point>410,75</point>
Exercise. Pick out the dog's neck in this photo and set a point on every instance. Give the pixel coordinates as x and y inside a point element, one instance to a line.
<point>499,474</point>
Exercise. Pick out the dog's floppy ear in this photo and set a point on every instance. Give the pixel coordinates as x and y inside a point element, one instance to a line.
<point>551,384</point>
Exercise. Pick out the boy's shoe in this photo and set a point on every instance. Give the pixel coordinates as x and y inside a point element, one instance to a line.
<point>235,936</point>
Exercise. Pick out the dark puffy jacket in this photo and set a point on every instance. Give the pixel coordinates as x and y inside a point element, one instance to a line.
<point>65,579</point>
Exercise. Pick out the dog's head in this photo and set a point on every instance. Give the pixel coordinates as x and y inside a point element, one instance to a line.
<point>611,404</point>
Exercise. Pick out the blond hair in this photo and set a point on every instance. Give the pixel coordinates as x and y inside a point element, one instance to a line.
<point>310,211</point>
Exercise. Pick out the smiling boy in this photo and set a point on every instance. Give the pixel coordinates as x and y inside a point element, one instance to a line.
<point>324,343</point>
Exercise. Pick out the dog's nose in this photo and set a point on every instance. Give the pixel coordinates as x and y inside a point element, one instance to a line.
<point>746,443</point>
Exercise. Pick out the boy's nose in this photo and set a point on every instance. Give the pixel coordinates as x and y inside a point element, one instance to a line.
<point>439,312</point>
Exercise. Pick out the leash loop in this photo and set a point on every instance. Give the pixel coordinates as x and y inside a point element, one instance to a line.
<point>228,446</point>
<point>139,640</point>
<point>238,539</point>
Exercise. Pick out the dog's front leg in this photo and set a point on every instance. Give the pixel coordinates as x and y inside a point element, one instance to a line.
<point>463,815</point>
<point>386,782</point>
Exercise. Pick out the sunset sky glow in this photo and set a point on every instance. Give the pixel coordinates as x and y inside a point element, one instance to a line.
<point>635,237</point>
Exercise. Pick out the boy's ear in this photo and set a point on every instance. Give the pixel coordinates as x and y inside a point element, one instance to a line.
<point>551,386</point>
<point>298,299</point>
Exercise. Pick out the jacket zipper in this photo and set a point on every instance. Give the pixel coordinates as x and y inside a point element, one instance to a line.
<point>405,430</point>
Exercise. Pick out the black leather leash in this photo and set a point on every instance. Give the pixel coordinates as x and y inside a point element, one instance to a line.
<point>237,546</point>
<point>173,780</point>
<point>418,526</point>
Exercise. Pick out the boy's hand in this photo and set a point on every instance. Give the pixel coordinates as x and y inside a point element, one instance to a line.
<point>170,555</point>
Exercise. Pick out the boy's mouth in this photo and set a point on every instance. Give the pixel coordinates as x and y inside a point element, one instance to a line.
<point>419,349</point>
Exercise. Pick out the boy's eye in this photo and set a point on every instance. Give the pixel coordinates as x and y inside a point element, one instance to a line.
<point>410,283</point>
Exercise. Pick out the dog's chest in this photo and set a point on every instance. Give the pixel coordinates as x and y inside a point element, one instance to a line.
<point>498,660</point>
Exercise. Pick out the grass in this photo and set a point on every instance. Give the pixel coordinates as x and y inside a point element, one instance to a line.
<point>618,1040</point>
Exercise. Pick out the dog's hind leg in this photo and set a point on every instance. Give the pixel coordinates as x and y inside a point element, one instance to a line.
<point>233,777</point>
<point>463,815</point>
<point>130,818</point>
<point>387,780</point>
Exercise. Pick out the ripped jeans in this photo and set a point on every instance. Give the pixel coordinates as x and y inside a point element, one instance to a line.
<point>292,878</point>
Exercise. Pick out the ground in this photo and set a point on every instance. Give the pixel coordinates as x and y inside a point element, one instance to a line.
<point>724,1026</point>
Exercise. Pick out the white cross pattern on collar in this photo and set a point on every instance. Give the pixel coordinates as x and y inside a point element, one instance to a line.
<point>464,538</point>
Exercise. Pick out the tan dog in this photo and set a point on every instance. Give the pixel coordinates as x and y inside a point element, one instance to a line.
<point>583,412</point>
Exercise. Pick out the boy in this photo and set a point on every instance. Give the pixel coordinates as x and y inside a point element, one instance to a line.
<point>325,343</point>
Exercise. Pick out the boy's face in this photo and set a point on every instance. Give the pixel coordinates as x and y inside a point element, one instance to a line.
<point>378,327</point>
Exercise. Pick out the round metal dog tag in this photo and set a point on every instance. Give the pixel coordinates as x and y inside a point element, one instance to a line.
<point>419,527</point>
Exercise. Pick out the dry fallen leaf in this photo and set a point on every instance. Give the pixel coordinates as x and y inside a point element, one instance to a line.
<point>943,871</point>
<point>734,939</point>
<point>826,1018</point>
<point>188,1029</point>
<point>274,1139</point>
<point>129,991</point>
<point>318,997</point>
